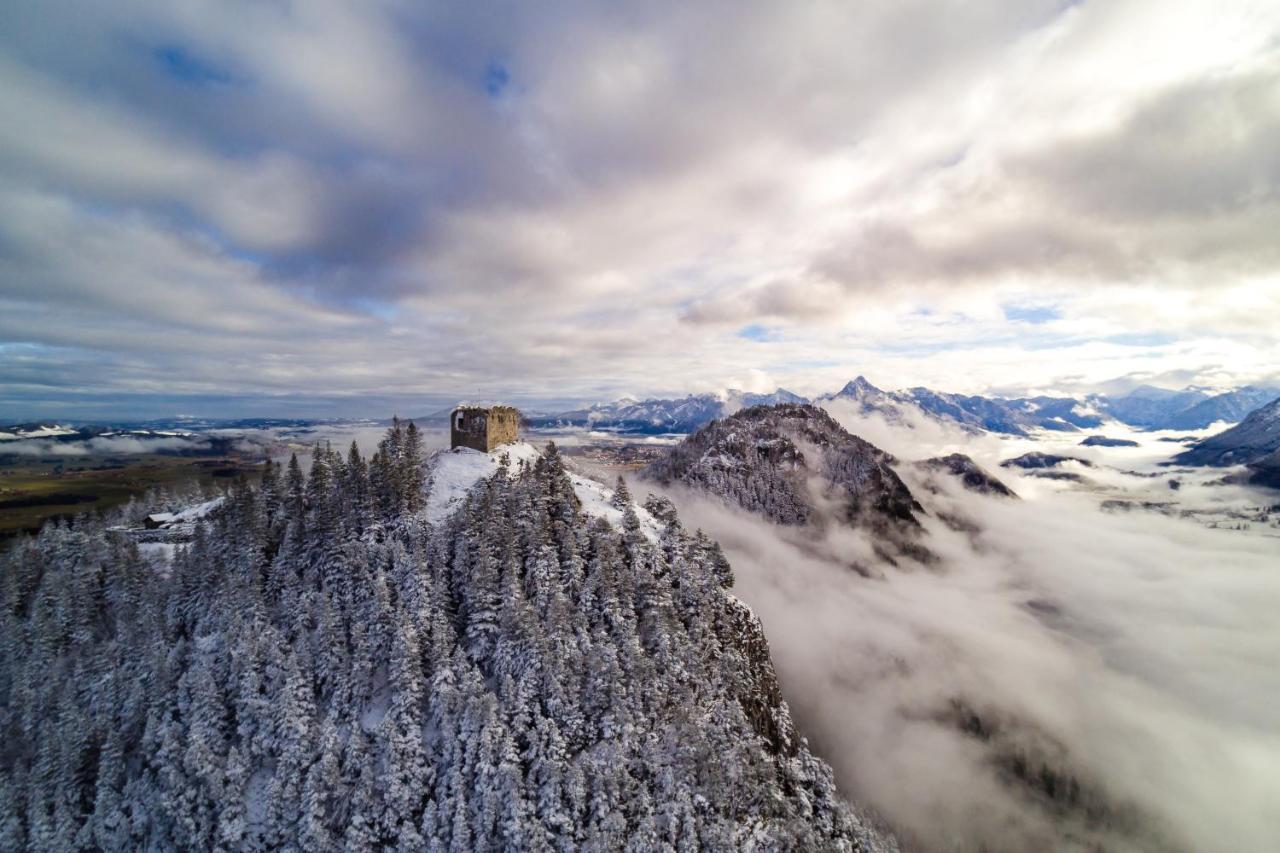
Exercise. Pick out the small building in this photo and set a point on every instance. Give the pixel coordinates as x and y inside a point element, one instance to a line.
<point>157,520</point>
<point>483,428</point>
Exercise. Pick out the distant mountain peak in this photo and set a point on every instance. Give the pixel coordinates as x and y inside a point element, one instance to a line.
<point>860,385</point>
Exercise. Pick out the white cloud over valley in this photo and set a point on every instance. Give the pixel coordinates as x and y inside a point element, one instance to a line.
<point>1063,677</point>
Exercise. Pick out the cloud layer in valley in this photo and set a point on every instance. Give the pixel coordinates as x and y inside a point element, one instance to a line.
<point>215,200</point>
<point>1062,677</point>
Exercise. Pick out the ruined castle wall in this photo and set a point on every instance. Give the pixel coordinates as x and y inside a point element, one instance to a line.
<point>504,426</point>
<point>483,429</point>
<point>469,428</point>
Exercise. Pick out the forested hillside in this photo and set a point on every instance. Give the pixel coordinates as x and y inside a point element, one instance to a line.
<point>323,669</point>
<point>784,462</point>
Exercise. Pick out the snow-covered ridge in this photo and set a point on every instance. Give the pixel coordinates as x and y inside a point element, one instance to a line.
<point>40,431</point>
<point>451,474</point>
<point>598,502</point>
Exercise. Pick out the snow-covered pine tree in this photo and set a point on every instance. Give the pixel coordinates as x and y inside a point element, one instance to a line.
<point>322,669</point>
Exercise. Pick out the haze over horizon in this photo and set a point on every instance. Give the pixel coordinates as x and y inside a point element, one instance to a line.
<point>333,209</point>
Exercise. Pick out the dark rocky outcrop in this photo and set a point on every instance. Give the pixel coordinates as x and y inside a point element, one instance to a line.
<point>972,475</point>
<point>1036,460</point>
<point>1105,441</point>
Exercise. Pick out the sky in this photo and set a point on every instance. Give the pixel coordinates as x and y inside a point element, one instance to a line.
<point>332,208</point>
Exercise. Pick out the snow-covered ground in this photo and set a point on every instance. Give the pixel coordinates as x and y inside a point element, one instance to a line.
<point>597,502</point>
<point>190,515</point>
<point>451,474</point>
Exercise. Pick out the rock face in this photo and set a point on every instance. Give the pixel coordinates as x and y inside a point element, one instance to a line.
<point>1035,459</point>
<point>1104,441</point>
<point>1254,442</point>
<point>972,475</point>
<point>782,461</point>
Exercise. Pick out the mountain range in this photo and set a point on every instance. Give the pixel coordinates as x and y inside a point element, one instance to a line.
<point>1145,407</point>
<point>656,416</point>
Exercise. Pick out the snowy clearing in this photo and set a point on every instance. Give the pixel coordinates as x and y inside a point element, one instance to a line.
<point>452,473</point>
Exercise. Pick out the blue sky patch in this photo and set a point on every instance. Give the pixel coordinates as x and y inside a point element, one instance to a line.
<point>496,79</point>
<point>1033,314</point>
<point>757,332</point>
<point>1152,339</point>
<point>182,65</point>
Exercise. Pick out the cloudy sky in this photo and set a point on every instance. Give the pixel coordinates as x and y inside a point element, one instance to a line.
<point>335,208</point>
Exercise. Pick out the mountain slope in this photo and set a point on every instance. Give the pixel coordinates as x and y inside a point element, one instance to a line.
<point>784,461</point>
<point>1232,407</point>
<point>1150,407</point>
<point>1253,441</point>
<point>327,666</point>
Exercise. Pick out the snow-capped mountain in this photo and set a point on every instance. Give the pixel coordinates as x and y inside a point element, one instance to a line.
<point>767,459</point>
<point>1254,442</point>
<point>1147,407</point>
<point>970,412</point>
<point>1232,407</point>
<point>656,416</point>
<point>17,432</point>
<point>1150,407</point>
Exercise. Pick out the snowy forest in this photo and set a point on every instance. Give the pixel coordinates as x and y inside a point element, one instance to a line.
<point>321,668</point>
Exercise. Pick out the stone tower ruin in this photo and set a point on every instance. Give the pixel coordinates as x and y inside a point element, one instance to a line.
<point>483,428</point>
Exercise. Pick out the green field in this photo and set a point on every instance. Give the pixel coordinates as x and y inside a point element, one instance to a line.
<point>33,491</point>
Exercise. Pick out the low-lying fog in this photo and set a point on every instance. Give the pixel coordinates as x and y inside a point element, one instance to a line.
<point>1066,677</point>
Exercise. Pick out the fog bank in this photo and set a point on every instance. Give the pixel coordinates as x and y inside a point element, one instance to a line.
<point>1064,677</point>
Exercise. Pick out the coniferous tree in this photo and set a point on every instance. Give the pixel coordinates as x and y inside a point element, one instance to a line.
<point>317,670</point>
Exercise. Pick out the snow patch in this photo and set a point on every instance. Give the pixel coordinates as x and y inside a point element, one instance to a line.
<point>160,553</point>
<point>597,502</point>
<point>190,515</point>
<point>451,474</point>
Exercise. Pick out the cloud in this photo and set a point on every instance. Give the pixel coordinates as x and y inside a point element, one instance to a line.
<point>642,184</point>
<point>44,448</point>
<point>1064,678</point>
<point>121,444</point>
